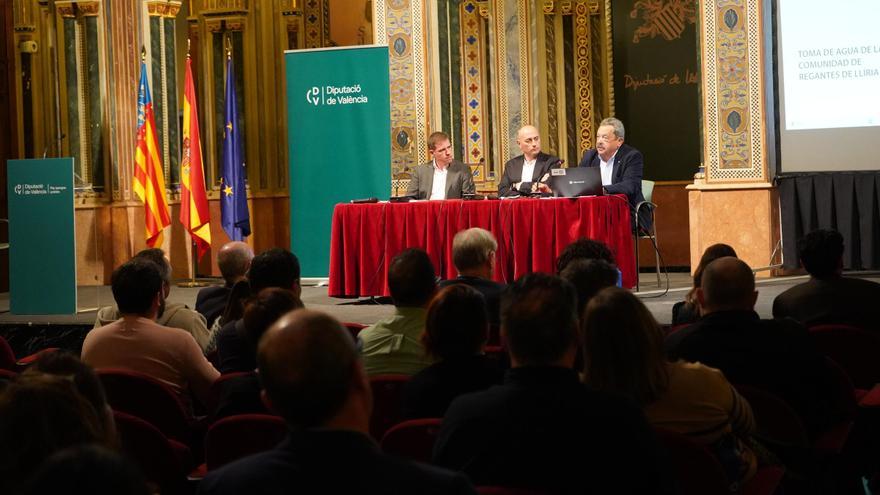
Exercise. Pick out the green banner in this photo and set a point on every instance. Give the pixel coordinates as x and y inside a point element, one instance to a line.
<point>42,247</point>
<point>339,128</point>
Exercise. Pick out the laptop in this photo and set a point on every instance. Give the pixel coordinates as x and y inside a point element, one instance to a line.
<point>577,181</point>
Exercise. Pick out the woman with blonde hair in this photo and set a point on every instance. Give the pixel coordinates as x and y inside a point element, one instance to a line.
<point>623,353</point>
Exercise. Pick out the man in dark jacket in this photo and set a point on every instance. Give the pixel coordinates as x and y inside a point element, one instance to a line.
<point>542,428</point>
<point>313,377</point>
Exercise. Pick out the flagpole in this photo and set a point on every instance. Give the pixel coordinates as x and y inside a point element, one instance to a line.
<point>192,242</point>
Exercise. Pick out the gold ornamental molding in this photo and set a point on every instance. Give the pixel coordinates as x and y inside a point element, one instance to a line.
<point>24,16</point>
<point>583,67</point>
<point>66,9</point>
<point>483,8</point>
<point>163,8</point>
<point>89,9</point>
<point>213,8</point>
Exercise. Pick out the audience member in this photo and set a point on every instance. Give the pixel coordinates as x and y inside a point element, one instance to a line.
<point>240,395</point>
<point>688,311</point>
<point>623,351</point>
<point>276,267</point>
<point>589,277</point>
<point>775,355</point>
<point>587,249</point>
<point>67,365</point>
<point>828,297</point>
<point>314,379</point>
<point>41,414</point>
<point>543,429</point>
<point>456,329</point>
<point>234,259</point>
<point>136,342</point>
<point>173,315</point>
<point>473,254</point>
<point>393,345</point>
<point>87,468</point>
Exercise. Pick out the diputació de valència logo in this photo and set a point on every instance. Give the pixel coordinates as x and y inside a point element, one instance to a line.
<point>336,95</point>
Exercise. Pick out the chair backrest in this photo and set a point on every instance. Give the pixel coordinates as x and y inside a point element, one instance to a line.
<point>153,452</point>
<point>238,436</point>
<point>387,402</point>
<point>147,398</point>
<point>412,439</point>
<point>223,379</point>
<point>854,349</point>
<point>775,420</point>
<point>648,190</point>
<point>698,471</point>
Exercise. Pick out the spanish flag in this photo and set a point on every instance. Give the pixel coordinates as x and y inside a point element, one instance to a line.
<point>194,214</point>
<point>149,177</point>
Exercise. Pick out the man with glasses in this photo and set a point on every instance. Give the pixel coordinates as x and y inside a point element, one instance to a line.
<point>443,177</point>
<point>620,164</point>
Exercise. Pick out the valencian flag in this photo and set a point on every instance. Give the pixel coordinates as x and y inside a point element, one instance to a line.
<point>233,196</point>
<point>194,214</point>
<point>149,177</point>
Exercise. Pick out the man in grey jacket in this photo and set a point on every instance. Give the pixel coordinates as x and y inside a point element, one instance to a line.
<point>443,177</point>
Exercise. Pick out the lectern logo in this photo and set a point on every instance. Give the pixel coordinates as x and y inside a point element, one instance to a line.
<point>18,189</point>
<point>313,96</point>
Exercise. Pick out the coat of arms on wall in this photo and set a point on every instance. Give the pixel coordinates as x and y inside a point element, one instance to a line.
<point>666,18</point>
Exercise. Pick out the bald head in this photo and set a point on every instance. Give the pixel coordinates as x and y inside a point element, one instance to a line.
<point>234,259</point>
<point>529,141</point>
<point>728,283</point>
<point>308,366</point>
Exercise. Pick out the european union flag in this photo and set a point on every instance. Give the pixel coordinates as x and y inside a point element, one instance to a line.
<point>234,214</point>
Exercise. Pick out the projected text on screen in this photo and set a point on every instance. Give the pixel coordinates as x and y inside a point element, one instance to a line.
<point>830,64</point>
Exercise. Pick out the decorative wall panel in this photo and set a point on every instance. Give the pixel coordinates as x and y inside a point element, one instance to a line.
<point>401,23</point>
<point>733,91</point>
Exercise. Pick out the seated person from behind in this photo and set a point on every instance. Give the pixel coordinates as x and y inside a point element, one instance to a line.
<point>542,428</point>
<point>241,394</point>
<point>394,345</point>
<point>829,297</point>
<point>620,165</point>
<point>774,355</point>
<point>443,177</point>
<point>623,352</point>
<point>174,315</point>
<point>527,173</point>
<point>688,311</point>
<point>276,267</point>
<point>473,254</point>
<point>137,343</point>
<point>456,330</point>
<point>234,259</point>
<point>589,277</point>
<point>584,248</point>
<point>314,379</point>
<point>41,414</point>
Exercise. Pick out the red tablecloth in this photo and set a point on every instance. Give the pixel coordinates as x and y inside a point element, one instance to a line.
<point>531,233</point>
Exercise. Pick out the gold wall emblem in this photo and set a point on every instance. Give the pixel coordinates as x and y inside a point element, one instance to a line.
<point>663,18</point>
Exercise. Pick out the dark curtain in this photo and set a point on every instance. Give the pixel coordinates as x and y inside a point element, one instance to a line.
<point>843,201</point>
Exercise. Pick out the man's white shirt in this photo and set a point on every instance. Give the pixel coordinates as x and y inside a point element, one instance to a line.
<point>438,188</point>
<point>527,172</point>
<point>607,168</point>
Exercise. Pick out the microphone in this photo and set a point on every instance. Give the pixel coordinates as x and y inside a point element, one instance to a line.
<point>364,200</point>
